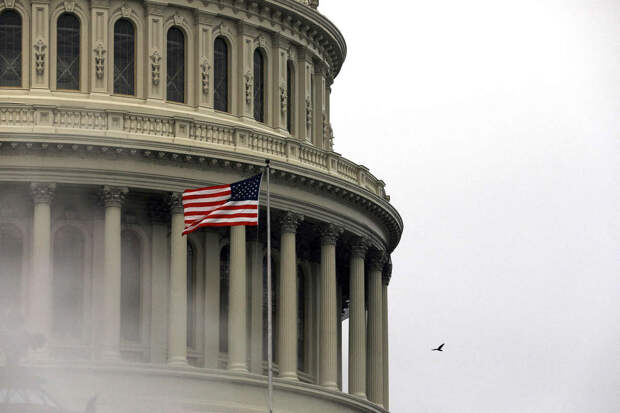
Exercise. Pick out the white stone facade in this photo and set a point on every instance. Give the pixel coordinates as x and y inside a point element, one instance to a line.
<point>91,220</point>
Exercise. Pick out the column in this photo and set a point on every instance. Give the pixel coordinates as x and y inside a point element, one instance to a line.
<point>155,39</point>
<point>303,93</point>
<point>357,319</point>
<point>338,316</point>
<point>113,198</point>
<point>256,306</point>
<point>40,33</point>
<point>204,53</point>
<point>375,329</point>
<point>40,301</point>
<point>245,73</point>
<point>212,296</point>
<point>328,332</point>
<point>237,313</point>
<point>280,92</point>
<point>159,281</point>
<point>387,275</point>
<point>309,316</point>
<point>100,60</point>
<point>177,306</point>
<point>287,339</point>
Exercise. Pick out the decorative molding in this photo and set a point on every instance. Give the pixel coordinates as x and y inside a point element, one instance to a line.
<point>155,66</point>
<point>113,196</point>
<point>376,260</point>
<point>328,133</point>
<point>178,19</point>
<point>175,203</point>
<point>359,247</point>
<point>205,69</point>
<point>289,222</point>
<point>99,60</point>
<point>292,53</point>
<point>9,4</point>
<point>308,112</point>
<point>283,98</point>
<point>39,56</point>
<point>330,234</point>
<point>387,271</point>
<point>249,86</point>
<point>126,10</point>
<point>69,5</point>
<point>260,41</point>
<point>42,193</point>
<point>224,29</point>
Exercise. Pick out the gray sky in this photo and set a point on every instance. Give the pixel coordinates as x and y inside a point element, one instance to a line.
<point>496,127</point>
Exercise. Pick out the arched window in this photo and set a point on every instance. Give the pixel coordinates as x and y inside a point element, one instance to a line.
<point>259,86</point>
<point>11,268</point>
<point>301,319</point>
<point>68,282</point>
<point>131,255</point>
<point>220,75</point>
<point>191,291</point>
<point>175,66</point>
<point>10,49</point>
<point>290,95</point>
<point>124,57</point>
<point>224,280</point>
<point>68,52</point>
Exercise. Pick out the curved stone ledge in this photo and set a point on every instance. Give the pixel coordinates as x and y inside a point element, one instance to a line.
<point>127,387</point>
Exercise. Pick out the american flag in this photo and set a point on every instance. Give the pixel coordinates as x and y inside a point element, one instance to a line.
<point>222,205</point>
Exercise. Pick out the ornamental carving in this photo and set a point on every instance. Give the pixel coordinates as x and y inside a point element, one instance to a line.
<point>222,28</point>
<point>290,222</point>
<point>205,68</point>
<point>39,56</point>
<point>387,271</point>
<point>260,41</point>
<point>377,260</point>
<point>308,111</point>
<point>283,98</point>
<point>9,4</point>
<point>42,193</point>
<point>126,10</point>
<point>156,67</point>
<point>99,60</point>
<point>310,3</point>
<point>113,196</point>
<point>328,133</point>
<point>175,203</point>
<point>249,85</point>
<point>69,5</point>
<point>359,247</point>
<point>292,53</point>
<point>330,234</point>
<point>178,19</point>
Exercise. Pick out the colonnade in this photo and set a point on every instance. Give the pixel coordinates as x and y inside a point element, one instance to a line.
<point>368,357</point>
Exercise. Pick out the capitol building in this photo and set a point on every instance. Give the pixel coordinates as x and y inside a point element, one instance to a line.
<point>109,110</point>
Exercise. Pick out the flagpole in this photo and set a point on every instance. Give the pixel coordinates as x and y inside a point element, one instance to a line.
<point>269,304</point>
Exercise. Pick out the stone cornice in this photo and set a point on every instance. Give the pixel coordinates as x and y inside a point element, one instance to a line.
<point>164,153</point>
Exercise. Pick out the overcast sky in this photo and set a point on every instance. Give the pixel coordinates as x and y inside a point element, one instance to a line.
<point>496,126</point>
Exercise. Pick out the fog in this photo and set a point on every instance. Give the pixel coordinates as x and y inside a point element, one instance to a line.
<point>495,126</point>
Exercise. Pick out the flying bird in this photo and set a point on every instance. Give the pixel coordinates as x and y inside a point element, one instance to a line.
<point>439,348</point>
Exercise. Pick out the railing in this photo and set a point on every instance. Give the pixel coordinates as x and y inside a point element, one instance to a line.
<point>235,139</point>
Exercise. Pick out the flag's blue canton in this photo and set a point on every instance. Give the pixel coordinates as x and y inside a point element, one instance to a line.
<point>246,190</point>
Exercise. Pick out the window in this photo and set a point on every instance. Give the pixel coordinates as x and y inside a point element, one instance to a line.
<point>68,282</point>
<point>290,95</point>
<point>68,52</point>
<point>124,57</point>
<point>10,49</point>
<point>130,287</point>
<point>175,66</point>
<point>220,75</point>
<point>191,290</point>
<point>259,86</point>
<point>11,268</point>
<point>224,279</point>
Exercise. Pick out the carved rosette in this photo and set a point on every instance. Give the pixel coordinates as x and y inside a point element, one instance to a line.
<point>113,196</point>
<point>376,260</point>
<point>330,234</point>
<point>175,203</point>
<point>99,60</point>
<point>205,68</point>
<point>39,56</point>
<point>155,67</point>
<point>290,222</point>
<point>359,247</point>
<point>42,193</point>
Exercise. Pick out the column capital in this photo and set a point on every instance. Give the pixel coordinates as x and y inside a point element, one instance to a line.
<point>175,203</point>
<point>377,259</point>
<point>42,193</point>
<point>359,247</point>
<point>387,271</point>
<point>289,222</point>
<point>113,196</point>
<point>330,234</point>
